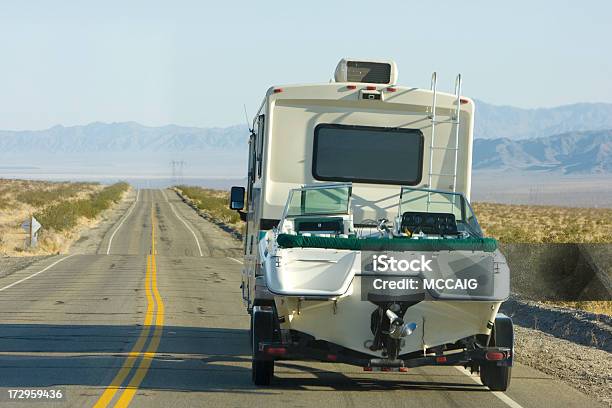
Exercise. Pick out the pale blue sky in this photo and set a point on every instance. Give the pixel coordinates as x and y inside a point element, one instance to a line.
<point>197,62</point>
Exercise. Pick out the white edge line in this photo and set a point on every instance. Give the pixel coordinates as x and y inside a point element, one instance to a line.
<point>499,394</point>
<point>37,273</point>
<point>237,260</point>
<point>183,221</point>
<point>110,241</point>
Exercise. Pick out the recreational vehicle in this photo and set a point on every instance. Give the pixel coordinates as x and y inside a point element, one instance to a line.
<point>361,246</point>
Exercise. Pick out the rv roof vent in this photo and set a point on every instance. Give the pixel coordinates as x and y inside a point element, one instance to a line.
<point>366,71</point>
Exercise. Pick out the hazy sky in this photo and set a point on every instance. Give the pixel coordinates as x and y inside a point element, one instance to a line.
<point>197,62</point>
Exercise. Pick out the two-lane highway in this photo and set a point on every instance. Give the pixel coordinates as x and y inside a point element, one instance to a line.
<point>155,319</point>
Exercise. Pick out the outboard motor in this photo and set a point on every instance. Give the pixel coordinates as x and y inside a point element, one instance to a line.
<point>388,326</point>
<point>398,328</point>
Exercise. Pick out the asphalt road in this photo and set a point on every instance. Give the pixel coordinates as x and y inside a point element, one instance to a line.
<point>155,319</point>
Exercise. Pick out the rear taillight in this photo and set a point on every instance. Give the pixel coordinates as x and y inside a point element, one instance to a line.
<point>276,351</point>
<point>495,355</point>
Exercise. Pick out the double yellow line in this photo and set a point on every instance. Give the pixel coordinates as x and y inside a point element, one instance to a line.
<point>155,308</point>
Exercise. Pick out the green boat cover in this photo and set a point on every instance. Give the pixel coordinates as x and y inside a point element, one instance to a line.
<point>387,244</point>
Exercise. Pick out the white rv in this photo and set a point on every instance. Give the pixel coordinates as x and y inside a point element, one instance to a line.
<point>347,176</point>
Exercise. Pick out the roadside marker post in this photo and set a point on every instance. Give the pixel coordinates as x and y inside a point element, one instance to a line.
<point>31,226</point>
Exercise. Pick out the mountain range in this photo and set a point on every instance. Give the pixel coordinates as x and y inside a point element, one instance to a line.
<point>494,121</point>
<point>571,139</point>
<point>123,137</point>
<point>587,152</point>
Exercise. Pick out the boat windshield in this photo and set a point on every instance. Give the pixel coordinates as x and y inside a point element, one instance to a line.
<point>319,200</point>
<point>420,200</point>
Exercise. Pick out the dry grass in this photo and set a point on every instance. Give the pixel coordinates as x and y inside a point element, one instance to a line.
<point>76,204</point>
<point>593,306</point>
<point>544,224</point>
<point>214,203</point>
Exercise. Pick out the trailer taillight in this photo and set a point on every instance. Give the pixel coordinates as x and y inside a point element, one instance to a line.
<point>495,355</point>
<point>367,368</point>
<point>332,357</point>
<point>276,351</point>
<point>441,359</point>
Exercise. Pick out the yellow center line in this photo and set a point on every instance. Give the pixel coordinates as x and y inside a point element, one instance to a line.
<point>153,299</point>
<point>147,358</point>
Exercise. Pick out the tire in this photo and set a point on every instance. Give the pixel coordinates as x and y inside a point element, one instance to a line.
<point>251,331</point>
<point>262,371</point>
<point>497,378</point>
<point>262,329</point>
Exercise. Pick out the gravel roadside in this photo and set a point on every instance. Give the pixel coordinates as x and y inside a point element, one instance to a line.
<point>11,264</point>
<point>572,345</point>
<point>587,369</point>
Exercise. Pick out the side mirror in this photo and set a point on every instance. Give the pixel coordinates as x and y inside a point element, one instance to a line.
<point>236,198</point>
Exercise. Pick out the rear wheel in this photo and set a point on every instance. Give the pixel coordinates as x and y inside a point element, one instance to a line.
<point>262,371</point>
<point>251,330</point>
<point>497,378</point>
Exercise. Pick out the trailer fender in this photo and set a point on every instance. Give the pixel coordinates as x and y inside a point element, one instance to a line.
<point>503,334</point>
<point>263,329</point>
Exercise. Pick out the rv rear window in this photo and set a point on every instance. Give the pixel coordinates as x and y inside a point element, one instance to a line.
<point>367,154</point>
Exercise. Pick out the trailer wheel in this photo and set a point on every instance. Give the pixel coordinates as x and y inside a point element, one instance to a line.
<point>251,331</point>
<point>497,378</point>
<point>262,371</point>
<point>262,329</point>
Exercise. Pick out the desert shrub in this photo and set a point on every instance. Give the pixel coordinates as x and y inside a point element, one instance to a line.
<point>65,214</point>
<point>511,223</point>
<point>39,196</point>
<point>213,202</point>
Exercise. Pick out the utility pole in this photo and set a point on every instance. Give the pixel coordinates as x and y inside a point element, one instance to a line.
<point>177,171</point>
<point>181,164</point>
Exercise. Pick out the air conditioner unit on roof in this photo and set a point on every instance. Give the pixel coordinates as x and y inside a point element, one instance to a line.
<point>366,71</point>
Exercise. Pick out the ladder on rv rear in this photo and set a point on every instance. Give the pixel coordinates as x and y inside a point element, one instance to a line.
<point>455,120</point>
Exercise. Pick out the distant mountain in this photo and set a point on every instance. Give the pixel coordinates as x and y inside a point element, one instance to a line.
<point>124,137</point>
<point>588,152</point>
<point>494,121</point>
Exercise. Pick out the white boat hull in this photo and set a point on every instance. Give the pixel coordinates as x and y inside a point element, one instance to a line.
<point>346,321</point>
